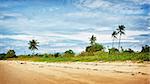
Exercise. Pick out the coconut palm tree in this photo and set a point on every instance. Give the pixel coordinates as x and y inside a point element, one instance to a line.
<point>120,31</point>
<point>114,36</point>
<point>92,40</point>
<point>33,45</point>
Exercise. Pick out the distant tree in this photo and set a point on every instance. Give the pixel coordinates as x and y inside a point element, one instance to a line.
<point>10,54</point>
<point>69,53</point>
<point>92,40</point>
<point>33,45</point>
<point>120,31</point>
<point>146,48</point>
<point>94,47</point>
<point>114,36</point>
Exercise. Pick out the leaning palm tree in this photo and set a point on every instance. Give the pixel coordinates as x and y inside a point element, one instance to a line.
<point>33,45</point>
<point>114,36</point>
<point>120,31</point>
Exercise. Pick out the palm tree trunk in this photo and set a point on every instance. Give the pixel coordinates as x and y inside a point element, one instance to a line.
<point>113,43</point>
<point>33,52</point>
<point>119,42</point>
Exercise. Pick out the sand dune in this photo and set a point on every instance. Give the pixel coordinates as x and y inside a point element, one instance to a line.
<point>21,72</point>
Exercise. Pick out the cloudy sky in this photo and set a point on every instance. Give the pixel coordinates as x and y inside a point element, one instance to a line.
<point>60,25</point>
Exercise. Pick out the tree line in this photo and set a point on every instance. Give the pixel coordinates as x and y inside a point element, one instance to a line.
<point>93,47</point>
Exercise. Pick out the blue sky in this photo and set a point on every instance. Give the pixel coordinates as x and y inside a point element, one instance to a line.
<point>60,25</point>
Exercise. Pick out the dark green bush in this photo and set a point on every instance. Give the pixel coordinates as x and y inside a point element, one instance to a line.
<point>10,54</point>
<point>69,53</point>
<point>57,55</point>
<point>94,48</point>
<point>145,49</point>
<point>2,56</point>
<point>113,50</point>
<point>129,50</point>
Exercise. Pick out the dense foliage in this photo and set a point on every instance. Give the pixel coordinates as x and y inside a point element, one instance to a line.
<point>145,48</point>
<point>94,48</point>
<point>2,56</point>
<point>69,53</point>
<point>93,52</point>
<point>10,54</point>
<point>33,45</point>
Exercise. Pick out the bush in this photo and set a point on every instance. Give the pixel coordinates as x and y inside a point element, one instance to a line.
<point>146,48</point>
<point>113,50</point>
<point>10,54</point>
<point>143,57</point>
<point>47,55</point>
<point>86,54</point>
<point>69,53</point>
<point>2,56</point>
<point>94,48</point>
<point>57,55</point>
<point>129,50</point>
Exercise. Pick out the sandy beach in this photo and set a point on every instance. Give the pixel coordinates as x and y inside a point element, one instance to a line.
<point>22,72</point>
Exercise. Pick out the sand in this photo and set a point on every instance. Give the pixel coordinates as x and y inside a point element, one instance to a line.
<point>22,72</point>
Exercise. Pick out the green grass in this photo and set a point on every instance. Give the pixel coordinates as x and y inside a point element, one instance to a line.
<point>98,56</point>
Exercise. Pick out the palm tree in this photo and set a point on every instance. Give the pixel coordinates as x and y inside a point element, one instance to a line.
<point>114,37</point>
<point>92,39</point>
<point>33,45</point>
<point>120,31</point>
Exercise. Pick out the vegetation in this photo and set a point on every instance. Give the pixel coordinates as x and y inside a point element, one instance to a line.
<point>69,53</point>
<point>2,56</point>
<point>10,54</point>
<point>33,45</point>
<point>98,56</point>
<point>145,48</point>
<point>114,36</point>
<point>93,52</point>
<point>94,47</point>
<point>120,31</point>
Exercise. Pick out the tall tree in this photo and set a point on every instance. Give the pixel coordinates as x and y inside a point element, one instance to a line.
<point>92,40</point>
<point>33,45</point>
<point>114,36</point>
<point>120,31</point>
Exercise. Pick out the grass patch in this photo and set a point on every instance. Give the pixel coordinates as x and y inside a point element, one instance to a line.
<point>98,56</point>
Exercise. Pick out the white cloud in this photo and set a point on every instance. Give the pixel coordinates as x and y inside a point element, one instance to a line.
<point>119,7</point>
<point>83,14</point>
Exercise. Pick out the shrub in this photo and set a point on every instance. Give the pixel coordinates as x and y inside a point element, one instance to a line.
<point>57,55</point>
<point>10,54</point>
<point>113,50</point>
<point>146,48</point>
<point>69,53</point>
<point>143,56</point>
<point>94,48</point>
<point>129,50</point>
<point>86,54</point>
<point>2,56</point>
